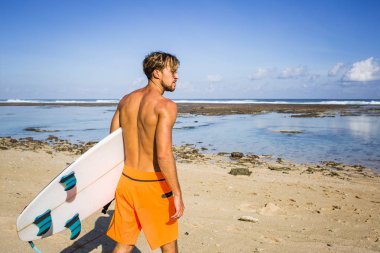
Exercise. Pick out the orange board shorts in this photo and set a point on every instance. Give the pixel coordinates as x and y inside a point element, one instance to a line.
<point>143,200</point>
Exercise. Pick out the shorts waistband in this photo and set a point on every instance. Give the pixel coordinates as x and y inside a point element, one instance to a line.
<point>142,176</point>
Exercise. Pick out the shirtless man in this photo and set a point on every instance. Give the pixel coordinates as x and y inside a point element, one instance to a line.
<point>148,195</point>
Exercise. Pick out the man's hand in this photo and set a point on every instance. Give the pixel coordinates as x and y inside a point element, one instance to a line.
<point>179,207</point>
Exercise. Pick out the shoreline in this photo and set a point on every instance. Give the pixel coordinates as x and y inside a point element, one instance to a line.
<point>185,152</point>
<point>212,109</point>
<point>234,202</point>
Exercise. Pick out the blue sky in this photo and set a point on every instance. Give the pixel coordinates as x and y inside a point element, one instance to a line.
<point>227,49</point>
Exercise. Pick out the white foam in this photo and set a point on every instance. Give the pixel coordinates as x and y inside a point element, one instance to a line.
<point>73,101</point>
<point>107,101</point>
<point>198,101</point>
<point>325,102</point>
<point>22,101</point>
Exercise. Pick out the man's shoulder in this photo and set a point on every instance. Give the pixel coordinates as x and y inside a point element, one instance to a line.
<point>130,96</point>
<point>167,104</point>
<point>166,107</point>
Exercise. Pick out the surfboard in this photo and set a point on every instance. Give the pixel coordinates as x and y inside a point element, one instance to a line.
<point>78,191</point>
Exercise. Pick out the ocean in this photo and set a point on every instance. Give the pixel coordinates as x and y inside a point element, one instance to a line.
<point>216,101</point>
<point>348,139</point>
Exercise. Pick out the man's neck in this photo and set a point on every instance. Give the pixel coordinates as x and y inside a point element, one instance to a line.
<point>154,84</point>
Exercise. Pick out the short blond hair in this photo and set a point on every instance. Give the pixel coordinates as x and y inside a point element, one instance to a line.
<point>159,60</point>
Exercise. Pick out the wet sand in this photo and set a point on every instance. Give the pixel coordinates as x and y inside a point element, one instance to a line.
<point>287,207</point>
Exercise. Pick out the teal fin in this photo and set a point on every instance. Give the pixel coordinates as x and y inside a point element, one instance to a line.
<point>75,226</point>
<point>69,181</point>
<point>43,222</point>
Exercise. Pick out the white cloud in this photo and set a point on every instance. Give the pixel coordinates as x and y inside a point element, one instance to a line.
<point>293,73</point>
<point>261,73</point>
<point>138,81</point>
<point>314,77</point>
<point>185,86</point>
<point>337,67</point>
<point>214,78</point>
<point>363,71</point>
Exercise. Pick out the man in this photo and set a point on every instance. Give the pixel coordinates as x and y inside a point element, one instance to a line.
<point>148,195</point>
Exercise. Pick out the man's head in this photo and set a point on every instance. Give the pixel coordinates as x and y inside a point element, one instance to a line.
<point>162,66</point>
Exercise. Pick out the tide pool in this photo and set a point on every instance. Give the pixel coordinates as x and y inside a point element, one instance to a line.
<point>349,139</point>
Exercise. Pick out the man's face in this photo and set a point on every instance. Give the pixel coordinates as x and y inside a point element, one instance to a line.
<point>169,79</point>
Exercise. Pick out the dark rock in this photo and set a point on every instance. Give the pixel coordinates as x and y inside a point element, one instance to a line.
<point>310,170</point>
<point>52,138</point>
<point>32,129</point>
<point>278,168</point>
<point>195,151</point>
<point>248,219</point>
<point>3,148</point>
<point>288,131</point>
<point>237,155</point>
<point>310,115</point>
<point>91,143</point>
<point>38,130</point>
<point>334,207</point>
<point>253,159</point>
<point>240,171</point>
<point>27,139</point>
<point>332,174</point>
<point>358,168</point>
<point>331,163</point>
<point>305,115</point>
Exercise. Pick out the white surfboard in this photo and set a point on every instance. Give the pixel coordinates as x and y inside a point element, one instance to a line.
<point>78,191</point>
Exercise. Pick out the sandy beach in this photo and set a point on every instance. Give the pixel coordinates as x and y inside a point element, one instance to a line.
<point>243,203</point>
<point>275,132</point>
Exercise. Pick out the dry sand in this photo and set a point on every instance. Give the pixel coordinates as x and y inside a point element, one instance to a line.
<point>294,207</point>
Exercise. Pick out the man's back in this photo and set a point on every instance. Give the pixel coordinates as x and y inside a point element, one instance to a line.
<point>139,114</point>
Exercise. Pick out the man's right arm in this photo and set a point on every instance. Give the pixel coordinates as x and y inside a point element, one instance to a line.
<point>115,123</point>
<point>166,119</point>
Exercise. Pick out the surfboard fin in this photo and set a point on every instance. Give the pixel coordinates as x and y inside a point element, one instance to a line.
<point>74,225</point>
<point>69,181</point>
<point>43,222</point>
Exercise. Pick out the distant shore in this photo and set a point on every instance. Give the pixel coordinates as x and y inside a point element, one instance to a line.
<point>306,109</point>
<point>309,110</point>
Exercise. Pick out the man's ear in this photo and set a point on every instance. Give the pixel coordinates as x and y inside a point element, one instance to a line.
<point>156,74</point>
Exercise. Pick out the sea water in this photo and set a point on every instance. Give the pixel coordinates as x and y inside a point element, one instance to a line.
<point>348,139</point>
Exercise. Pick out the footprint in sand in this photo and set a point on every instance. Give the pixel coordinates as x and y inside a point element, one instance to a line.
<point>270,209</point>
<point>271,239</point>
<point>247,207</point>
<point>192,225</point>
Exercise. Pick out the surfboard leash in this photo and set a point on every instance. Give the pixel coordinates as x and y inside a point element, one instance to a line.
<point>105,208</point>
<point>34,247</point>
